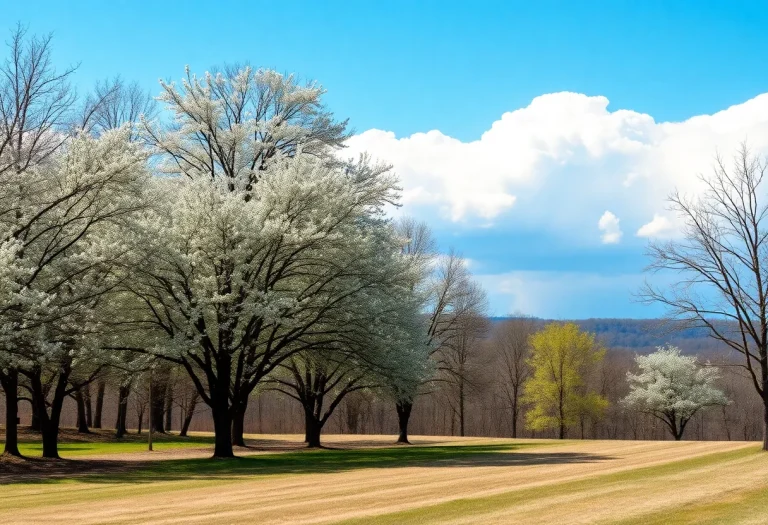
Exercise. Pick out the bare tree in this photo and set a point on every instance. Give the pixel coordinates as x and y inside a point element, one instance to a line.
<point>510,340</point>
<point>115,103</point>
<point>451,297</point>
<point>721,259</point>
<point>459,355</point>
<point>36,102</point>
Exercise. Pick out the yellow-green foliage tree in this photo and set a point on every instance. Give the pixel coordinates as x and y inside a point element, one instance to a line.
<point>562,357</point>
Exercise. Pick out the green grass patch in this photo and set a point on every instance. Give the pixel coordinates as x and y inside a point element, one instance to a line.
<point>131,443</point>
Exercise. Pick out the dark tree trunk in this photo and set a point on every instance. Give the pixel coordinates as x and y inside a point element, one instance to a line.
<point>168,409</point>
<point>10,383</point>
<point>765,415</point>
<point>515,411</point>
<point>99,404</point>
<point>312,431</point>
<point>403,417</point>
<point>222,426</point>
<point>188,416</point>
<point>238,425</point>
<point>50,423</point>
<point>50,441</point>
<point>220,408</point>
<point>35,423</point>
<point>88,405</point>
<point>122,411</point>
<point>82,423</point>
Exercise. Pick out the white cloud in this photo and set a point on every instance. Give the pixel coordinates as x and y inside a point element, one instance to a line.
<point>609,225</point>
<point>558,162</point>
<point>660,226</point>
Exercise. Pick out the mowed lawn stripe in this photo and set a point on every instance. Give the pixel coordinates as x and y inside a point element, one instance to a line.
<point>328,485</point>
<point>174,475</point>
<point>733,506</point>
<point>470,509</point>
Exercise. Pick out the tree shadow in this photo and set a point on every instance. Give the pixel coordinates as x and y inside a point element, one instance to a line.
<point>310,461</point>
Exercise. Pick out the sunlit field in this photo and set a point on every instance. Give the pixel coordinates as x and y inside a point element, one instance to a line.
<point>365,479</point>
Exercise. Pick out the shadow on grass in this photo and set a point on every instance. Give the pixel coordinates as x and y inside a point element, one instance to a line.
<point>311,462</point>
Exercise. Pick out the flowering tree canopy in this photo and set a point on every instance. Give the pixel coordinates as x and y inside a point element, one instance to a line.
<point>673,388</point>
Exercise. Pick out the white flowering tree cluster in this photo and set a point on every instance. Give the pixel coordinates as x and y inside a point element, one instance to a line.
<point>673,388</point>
<point>65,196</point>
<point>60,226</point>
<point>258,246</point>
<point>228,241</point>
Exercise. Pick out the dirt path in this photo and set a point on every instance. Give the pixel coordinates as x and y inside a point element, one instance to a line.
<point>364,493</point>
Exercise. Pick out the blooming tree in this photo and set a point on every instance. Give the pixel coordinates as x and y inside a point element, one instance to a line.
<point>231,286</point>
<point>61,221</point>
<point>229,125</point>
<point>673,388</point>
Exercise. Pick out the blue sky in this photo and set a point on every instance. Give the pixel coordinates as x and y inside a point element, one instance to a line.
<point>519,182</point>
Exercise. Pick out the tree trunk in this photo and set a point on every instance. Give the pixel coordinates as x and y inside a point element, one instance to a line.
<point>88,405</point>
<point>82,422</point>
<point>312,431</point>
<point>238,425</point>
<point>99,404</point>
<point>514,413</point>
<point>403,417</point>
<point>50,441</point>
<point>35,423</point>
<point>222,426</point>
<point>10,383</point>
<point>50,423</point>
<point>765,415</point>
<point>461,408</point>
<point>220,410</point>
<point>122,411</point>
<point>188,416</point>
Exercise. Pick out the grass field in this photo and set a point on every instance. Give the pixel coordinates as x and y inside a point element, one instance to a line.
<point>363,479</point>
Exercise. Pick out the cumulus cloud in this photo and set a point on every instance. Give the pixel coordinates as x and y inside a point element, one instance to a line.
<point>609,225</point>
<point>558,162</point>
<point>660,226</point>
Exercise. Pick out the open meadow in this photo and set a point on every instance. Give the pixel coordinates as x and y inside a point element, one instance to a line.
<point>365,479</point>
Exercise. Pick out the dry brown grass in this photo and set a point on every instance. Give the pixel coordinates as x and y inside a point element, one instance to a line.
<point>582,470</point>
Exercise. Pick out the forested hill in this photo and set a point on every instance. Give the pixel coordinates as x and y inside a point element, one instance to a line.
<point>642,334</point>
